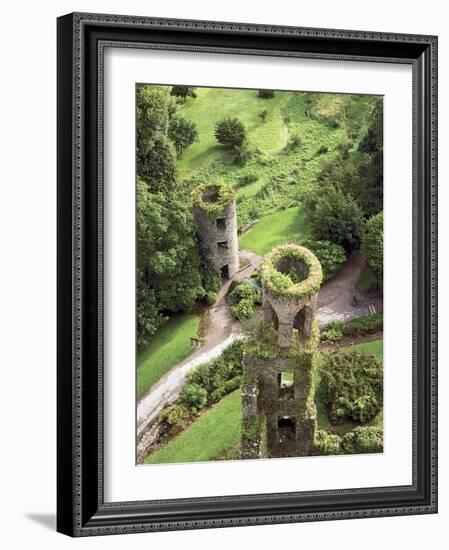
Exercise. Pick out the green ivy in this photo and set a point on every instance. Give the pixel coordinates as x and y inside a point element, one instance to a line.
<point>225,196</point>
<point>281,284</point>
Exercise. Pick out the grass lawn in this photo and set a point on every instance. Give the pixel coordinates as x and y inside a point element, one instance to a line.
<point>274,229</point>
<point>169,346</point>
<point>215,431</point>
<point>376,347</point>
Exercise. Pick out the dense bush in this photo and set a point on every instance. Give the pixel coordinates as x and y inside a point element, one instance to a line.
<point>372,243</point>
<point>242,153</point>
<point>294,141</point>
<point>326,443</point>
<point>243,309</point>
<point>220,376</point>
<point>193,395</point>
<point>334,216</point>
<point>332,332</point>
<point>230,132</point>
<point>352,385</point>
<point>183,91</point>
<point>177,416</point>
<point>367,324</point>
<point>363,439</point>
<point>182,132</point>
<point>243,297</point>
<point>331,256</point>
<point>266,94</point>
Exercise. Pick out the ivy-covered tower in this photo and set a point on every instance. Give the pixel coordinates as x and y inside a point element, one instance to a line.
<point>216,219</point>
<point>278,406</point>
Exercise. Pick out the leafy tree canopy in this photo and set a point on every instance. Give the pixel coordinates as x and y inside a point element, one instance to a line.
<point>372,243</point>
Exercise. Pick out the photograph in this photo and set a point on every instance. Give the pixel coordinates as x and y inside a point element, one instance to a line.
<point>259,274</point>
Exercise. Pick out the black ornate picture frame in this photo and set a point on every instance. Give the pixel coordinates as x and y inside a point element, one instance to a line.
<point>81,509</point>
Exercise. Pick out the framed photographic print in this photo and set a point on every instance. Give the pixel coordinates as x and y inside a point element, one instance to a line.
<point>246,274</point>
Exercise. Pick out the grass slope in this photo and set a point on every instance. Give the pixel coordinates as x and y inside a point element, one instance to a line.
<point>214,104</point>
<point>274,229</point>
<point>275,177</point>
<point>215,431</point>
<point>168,347</point>
<point>218,429</point>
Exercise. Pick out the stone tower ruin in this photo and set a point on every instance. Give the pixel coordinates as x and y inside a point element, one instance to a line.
<point>278,406</point>
<point>216,219</point>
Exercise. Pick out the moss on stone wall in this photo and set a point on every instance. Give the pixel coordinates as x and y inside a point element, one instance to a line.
<point>282,284</point>
<point>213,198</point>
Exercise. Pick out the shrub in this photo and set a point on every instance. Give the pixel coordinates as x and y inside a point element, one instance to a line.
<point>242,298</point>
<point>246,289</point>
<point>330,255</point>
<point>294,141</point>
<point>230,132</point>
<point>183,91</point>
<point>210,298</point>
<point>247,178</point>
<point>372,244</point>
<point>176,416</point>
<point>242,153</point>
<point>326,443</point>
<point>263,115</point>
<point>363,439</point>
<point>322,150</point>
<point>266,94</point>
<point>243,310</point>
<point>367,324</point>
<point>193,396</point>
<point>227,387</point>
<point>332,332</point>
<point>352,385</point>
<point>214,376</point>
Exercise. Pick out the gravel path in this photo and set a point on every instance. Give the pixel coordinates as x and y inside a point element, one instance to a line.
<point>335,298</point>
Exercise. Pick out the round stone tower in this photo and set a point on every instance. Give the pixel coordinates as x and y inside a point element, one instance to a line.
<point>278,407</point>
<point>216,218</point>
<point>291,276</point>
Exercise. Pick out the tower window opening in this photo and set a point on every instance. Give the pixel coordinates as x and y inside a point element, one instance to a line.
<point>221,223</point>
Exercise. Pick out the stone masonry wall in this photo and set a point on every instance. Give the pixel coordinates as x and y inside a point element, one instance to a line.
<point>222,230</point>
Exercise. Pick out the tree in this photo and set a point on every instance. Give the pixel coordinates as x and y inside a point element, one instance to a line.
<point>266,94</point>
<point>334,216</point>
<point>373,242</point>
<point>183,91</point>
<point>330,255</point>
<point>230,132</point>
<point>182,132</point>
<point>156,157</point>
<point>168,264</point>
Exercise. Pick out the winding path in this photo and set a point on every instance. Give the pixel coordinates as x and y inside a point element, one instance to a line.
<point>223,329</point>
